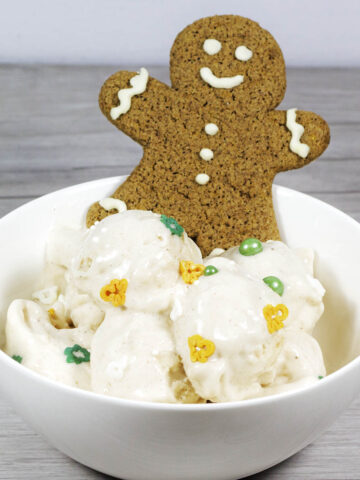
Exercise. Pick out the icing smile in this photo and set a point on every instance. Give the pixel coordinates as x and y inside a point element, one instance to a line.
<point>220,82</point>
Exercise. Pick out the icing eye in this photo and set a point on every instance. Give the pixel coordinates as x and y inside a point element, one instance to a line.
<point>243,53</point>
<point>212,46</point>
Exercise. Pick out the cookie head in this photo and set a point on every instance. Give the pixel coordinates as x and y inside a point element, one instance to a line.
<point>229,61</point>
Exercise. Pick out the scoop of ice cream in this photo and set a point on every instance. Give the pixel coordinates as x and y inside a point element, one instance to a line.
<point>302,292</point>
<point>63,244</point>
<point>31,335</point>
<point>137,246</point>
<point>133,356</point>
<point>223,336</point>
<point>226,309</point>
<point>300,357</point>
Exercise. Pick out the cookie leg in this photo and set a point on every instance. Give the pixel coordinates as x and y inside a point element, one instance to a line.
<point>134,192</point>
<point>97,213</point>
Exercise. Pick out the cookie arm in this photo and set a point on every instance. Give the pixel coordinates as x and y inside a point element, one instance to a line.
<point>134,102</point>
<point>297,137</point>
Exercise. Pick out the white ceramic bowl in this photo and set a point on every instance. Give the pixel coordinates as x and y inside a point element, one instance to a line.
<point>139,440</point>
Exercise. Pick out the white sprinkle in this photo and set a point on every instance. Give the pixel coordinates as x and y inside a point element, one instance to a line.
<point>211,129</point>
<point>202,178</point>
<point>243,53</point>
<point>296,129</point>
<point>212,46</point>
<point>206,154</point>
<point>113,203</point>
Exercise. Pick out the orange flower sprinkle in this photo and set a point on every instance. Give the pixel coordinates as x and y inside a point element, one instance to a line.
<point>115,292</point>
<point>200,348</point>
<point>190,271</point>
<point>275,316</point>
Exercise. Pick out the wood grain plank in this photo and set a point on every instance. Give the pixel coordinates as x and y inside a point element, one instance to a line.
<point>347,202</point>
<point>53,135</point>
<point>109,147</point>
<point>332,92</point>
<point>9,204</point>
<point>322,176</point>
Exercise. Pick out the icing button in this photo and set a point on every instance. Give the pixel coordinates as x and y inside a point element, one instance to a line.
<point>202,178</point>
<point>211,129</point>
<point>275,284</point>
<point>250,246</point>
<point>206,154</point>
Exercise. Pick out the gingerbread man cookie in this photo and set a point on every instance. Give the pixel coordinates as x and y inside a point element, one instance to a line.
<point>213,142</point>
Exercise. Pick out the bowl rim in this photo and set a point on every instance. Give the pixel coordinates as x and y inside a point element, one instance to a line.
<point>180,407</point>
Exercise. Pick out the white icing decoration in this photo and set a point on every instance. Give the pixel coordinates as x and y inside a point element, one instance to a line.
<point>222,82</point>
<point>206,154</point>
<point>296,129</point>
<point>202,178</point>
<point>212,46</point>
<point>211,129</point>
<point>138,85</point>
<point>113,203</point>
<point>243,53</point>
<point>216,252</point>
<point>94,225</point>
<point>47,296</point>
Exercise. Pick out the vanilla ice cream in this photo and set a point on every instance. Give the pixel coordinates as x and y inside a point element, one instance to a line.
<point>137,246</point>
<point>222,314</point>
<point>131,348</point>
<point>128,308</point>
<point>302,293</point>
<point>31,336</point>
<point>133,356</point>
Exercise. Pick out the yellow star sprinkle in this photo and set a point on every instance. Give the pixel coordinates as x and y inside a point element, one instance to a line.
<point>200,348</point>
<point>115,292</point>
<point>275,316</point>
<point>52,313</point>
<point>190,271</point>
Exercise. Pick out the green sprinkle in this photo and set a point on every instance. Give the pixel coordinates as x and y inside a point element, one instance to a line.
<point>170,223</point>
<point>77,354</point>
<point>275,284</point>
<point>17,358</point>
<point>250,246</point>
<point>320,377</point>
<point>210,270</point>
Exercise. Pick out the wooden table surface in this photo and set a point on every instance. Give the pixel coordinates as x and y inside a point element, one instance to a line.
<point>53,135</point>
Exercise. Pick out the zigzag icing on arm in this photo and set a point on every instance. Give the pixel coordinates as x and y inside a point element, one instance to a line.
<point>138,85</point>
<point>296,129</point>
